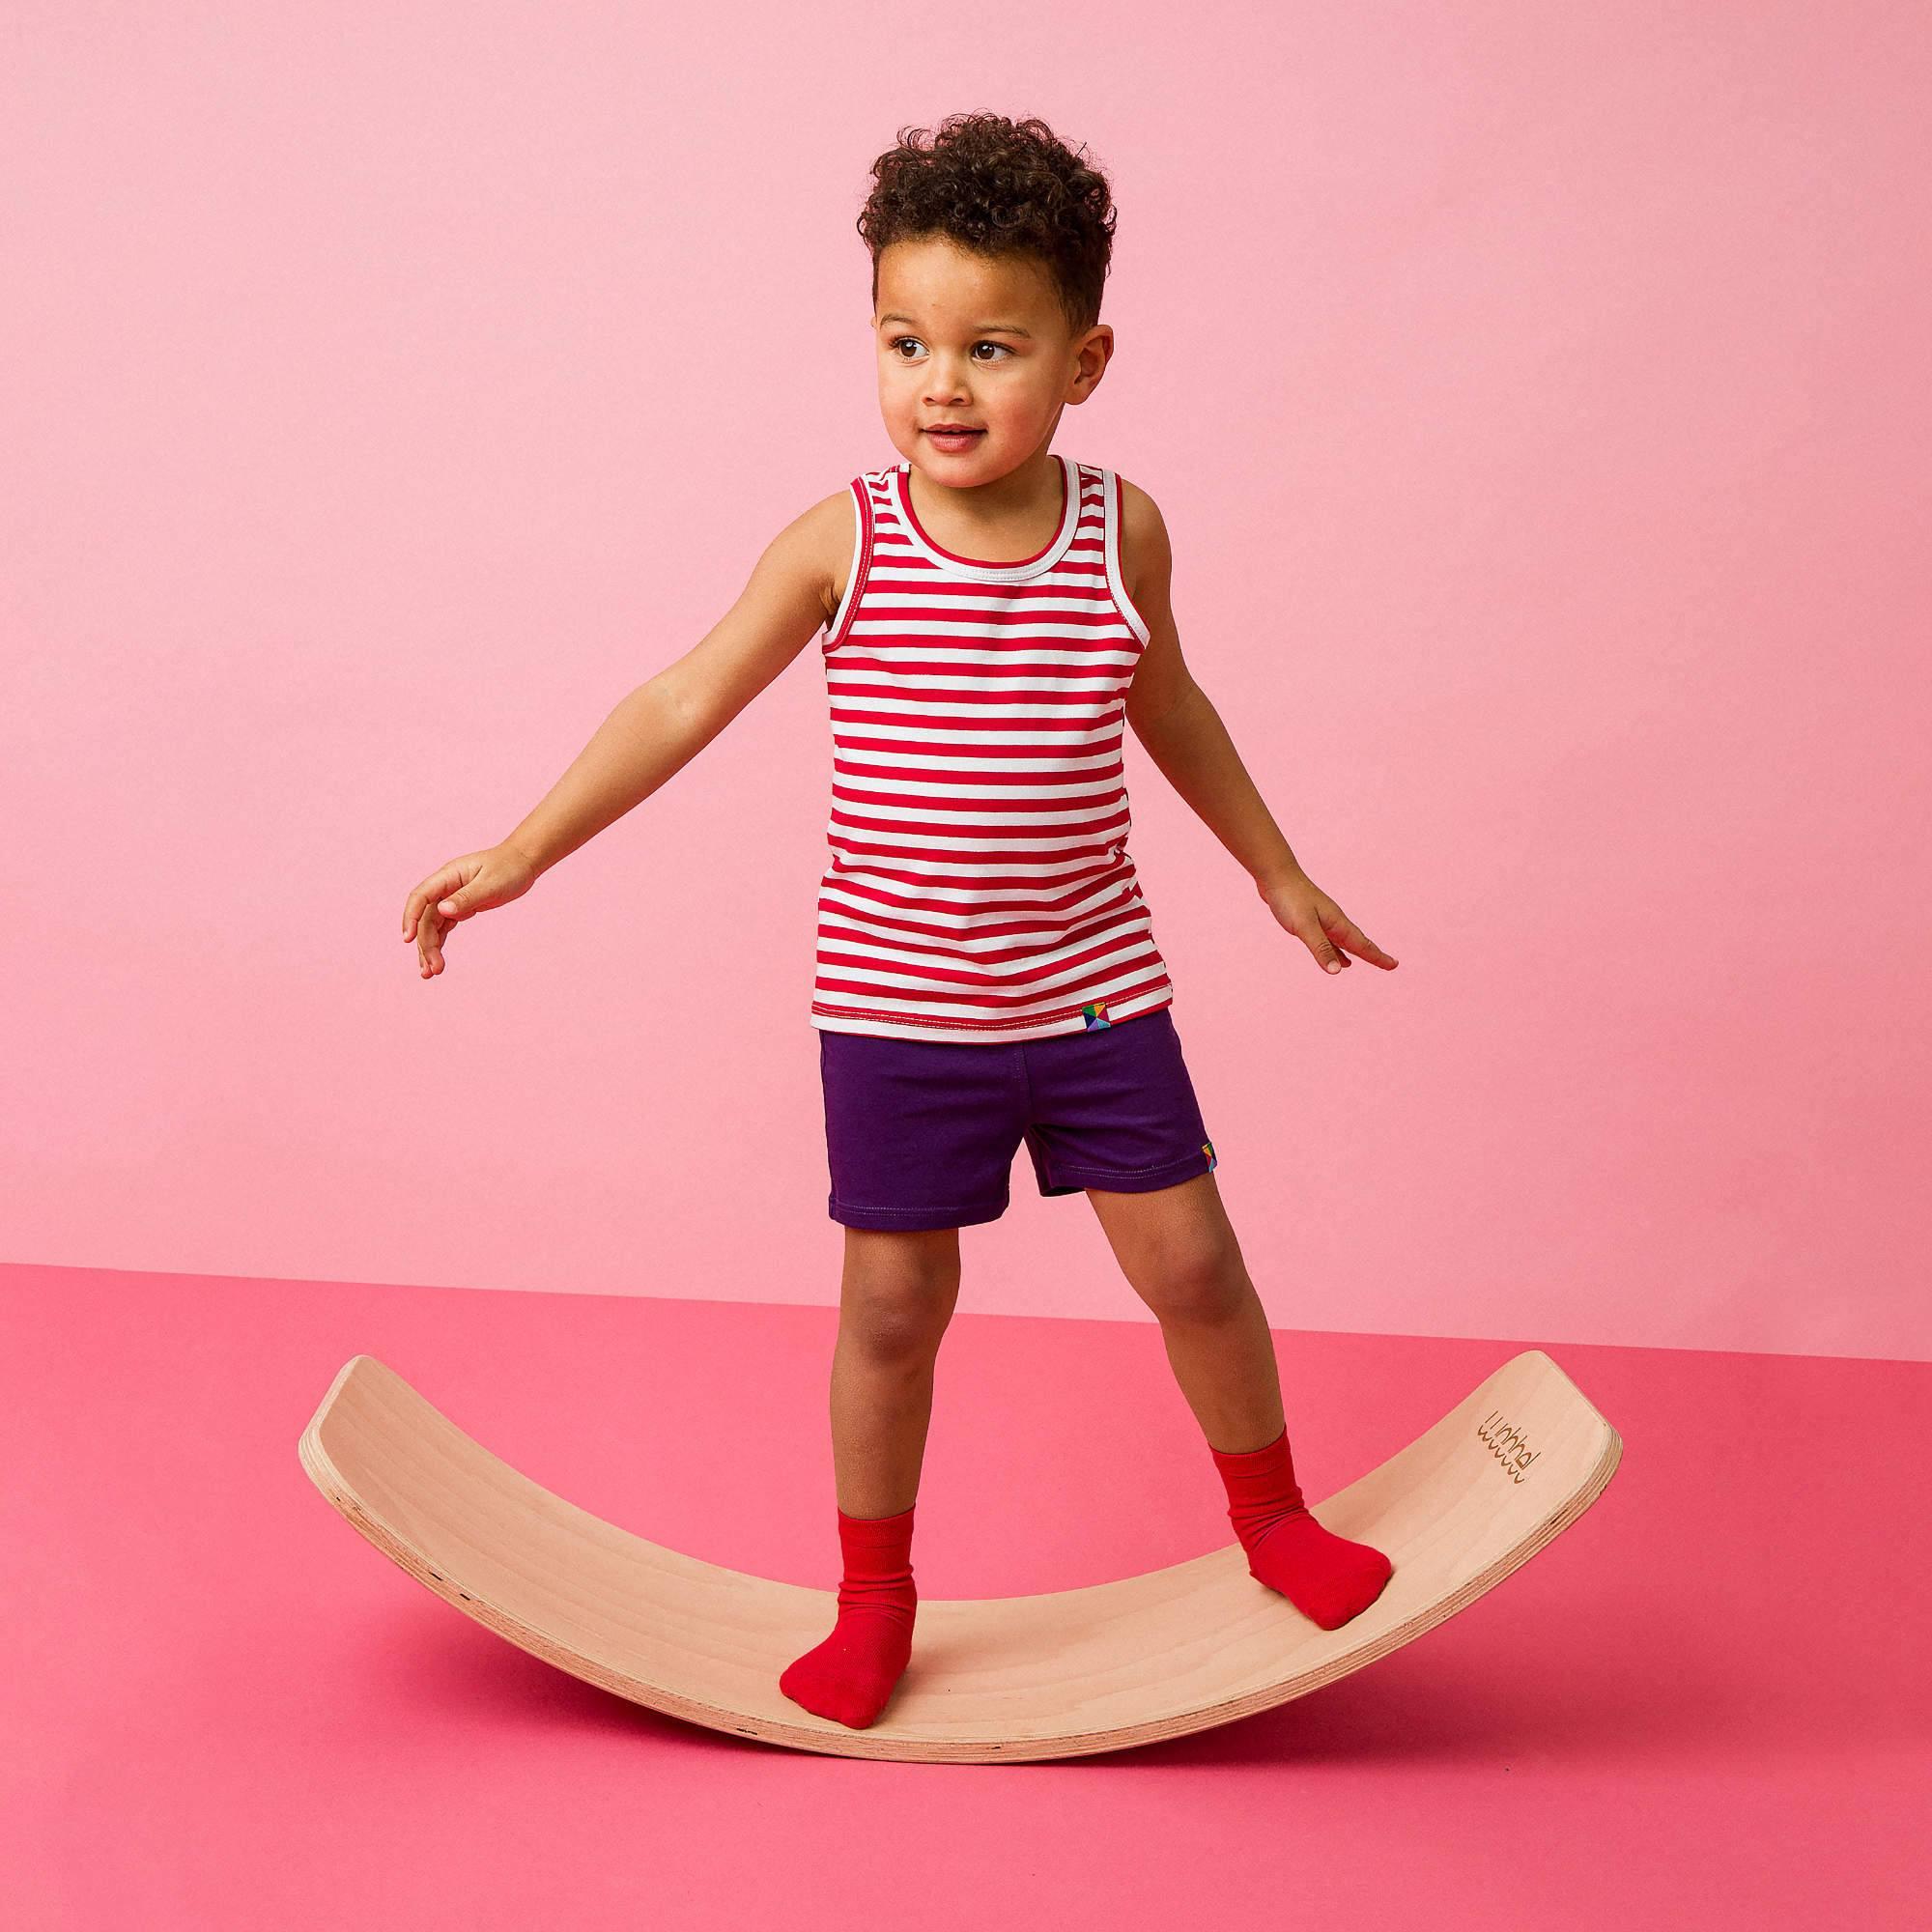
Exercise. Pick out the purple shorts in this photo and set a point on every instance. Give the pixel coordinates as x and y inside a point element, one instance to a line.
<point>921,1133</point>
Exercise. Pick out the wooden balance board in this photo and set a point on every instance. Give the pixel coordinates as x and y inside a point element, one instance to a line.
<point>993,1679</point>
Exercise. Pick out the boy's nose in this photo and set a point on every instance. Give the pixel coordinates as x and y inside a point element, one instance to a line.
<point>948,383</point>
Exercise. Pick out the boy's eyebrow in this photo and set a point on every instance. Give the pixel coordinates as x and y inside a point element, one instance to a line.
<point>983,328</point>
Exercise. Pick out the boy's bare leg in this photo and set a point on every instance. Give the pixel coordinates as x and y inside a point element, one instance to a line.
<point>1175,1247</point>
<point>1177,1250</point>
<point>895,1301</point>
<point>895,1298</point>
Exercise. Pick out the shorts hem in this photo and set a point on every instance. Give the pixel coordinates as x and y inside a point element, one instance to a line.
<point>1067,1180</point>
<point>911,1220</point>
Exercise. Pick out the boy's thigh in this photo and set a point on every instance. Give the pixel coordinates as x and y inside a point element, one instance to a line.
<point>918,1134</point>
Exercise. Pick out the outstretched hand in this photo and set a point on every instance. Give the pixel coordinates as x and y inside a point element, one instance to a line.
<point>1305,910</point>
<point>460,891</point>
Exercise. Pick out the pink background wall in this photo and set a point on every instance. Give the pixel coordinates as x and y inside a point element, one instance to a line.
<point>1536,398</point>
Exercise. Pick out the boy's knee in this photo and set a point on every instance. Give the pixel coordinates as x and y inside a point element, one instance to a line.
<point>898,1325</point>
<point>896,1305</point>
<point>1198,1279</point>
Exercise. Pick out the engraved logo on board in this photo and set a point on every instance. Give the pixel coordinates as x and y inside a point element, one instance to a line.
<point>1507,1443</point>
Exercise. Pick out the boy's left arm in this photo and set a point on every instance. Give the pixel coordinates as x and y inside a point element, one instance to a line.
<point>1185,736</point>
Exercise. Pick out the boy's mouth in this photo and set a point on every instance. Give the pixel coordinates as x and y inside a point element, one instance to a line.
<point>953,437</point>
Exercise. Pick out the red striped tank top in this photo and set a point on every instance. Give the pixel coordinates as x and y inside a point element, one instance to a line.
<point>979,886</point>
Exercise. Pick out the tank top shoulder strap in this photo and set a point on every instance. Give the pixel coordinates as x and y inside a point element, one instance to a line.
<point>864,490</point>
<point>1092,536</point>
<point>1117,584</point>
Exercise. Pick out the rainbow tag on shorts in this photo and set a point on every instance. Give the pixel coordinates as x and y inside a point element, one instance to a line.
<point>1096,1013</point>
<point>1208,1148</point>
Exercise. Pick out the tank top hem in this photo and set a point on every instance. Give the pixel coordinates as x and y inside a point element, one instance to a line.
<point>979,1032</point>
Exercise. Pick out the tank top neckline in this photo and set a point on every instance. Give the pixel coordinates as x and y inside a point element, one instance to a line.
<point>980,567</point>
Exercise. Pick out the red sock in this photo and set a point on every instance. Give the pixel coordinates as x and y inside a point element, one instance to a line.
<point>1325,1577</point>
<point>850,1675</point>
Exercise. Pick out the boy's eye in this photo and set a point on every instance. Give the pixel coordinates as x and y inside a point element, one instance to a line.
<point>899,341</point>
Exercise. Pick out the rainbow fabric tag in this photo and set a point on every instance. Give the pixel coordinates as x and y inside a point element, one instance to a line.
<point>1208,1148</point>
<point>1095,1012</point>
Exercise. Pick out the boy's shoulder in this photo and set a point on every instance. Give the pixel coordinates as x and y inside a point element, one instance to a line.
<point>1136,505</point>
<point>817,544</point>
<point>1145,554</point>
<point>834,522</point>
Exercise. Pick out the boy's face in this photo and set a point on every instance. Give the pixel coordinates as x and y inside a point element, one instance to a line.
<point>982,340</point>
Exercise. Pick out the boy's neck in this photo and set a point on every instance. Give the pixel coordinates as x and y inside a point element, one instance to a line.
<point>1007,519</point>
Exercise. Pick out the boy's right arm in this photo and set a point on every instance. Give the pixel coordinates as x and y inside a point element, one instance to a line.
<point>658,727</point>
<point>662,726</point>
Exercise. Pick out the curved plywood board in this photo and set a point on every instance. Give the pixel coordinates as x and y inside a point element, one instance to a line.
<point>992,1679</point>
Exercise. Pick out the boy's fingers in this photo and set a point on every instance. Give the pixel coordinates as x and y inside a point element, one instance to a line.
<point>1359,941</point>
<point>423,895</point>
<point>430,929</point>
<point>1324,948</point>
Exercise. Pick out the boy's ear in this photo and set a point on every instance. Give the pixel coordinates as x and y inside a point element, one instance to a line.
<point>1092,354</point>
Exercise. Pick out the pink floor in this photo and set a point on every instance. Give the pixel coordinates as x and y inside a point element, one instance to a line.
<point>1705,1705</point>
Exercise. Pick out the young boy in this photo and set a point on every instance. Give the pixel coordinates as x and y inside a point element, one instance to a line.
<point>986,973</point>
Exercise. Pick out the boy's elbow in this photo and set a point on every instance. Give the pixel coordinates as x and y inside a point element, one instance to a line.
<point>688,706</point>
<point>1153,712</point>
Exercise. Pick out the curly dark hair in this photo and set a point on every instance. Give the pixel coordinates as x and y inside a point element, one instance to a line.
<point>999,187</point>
